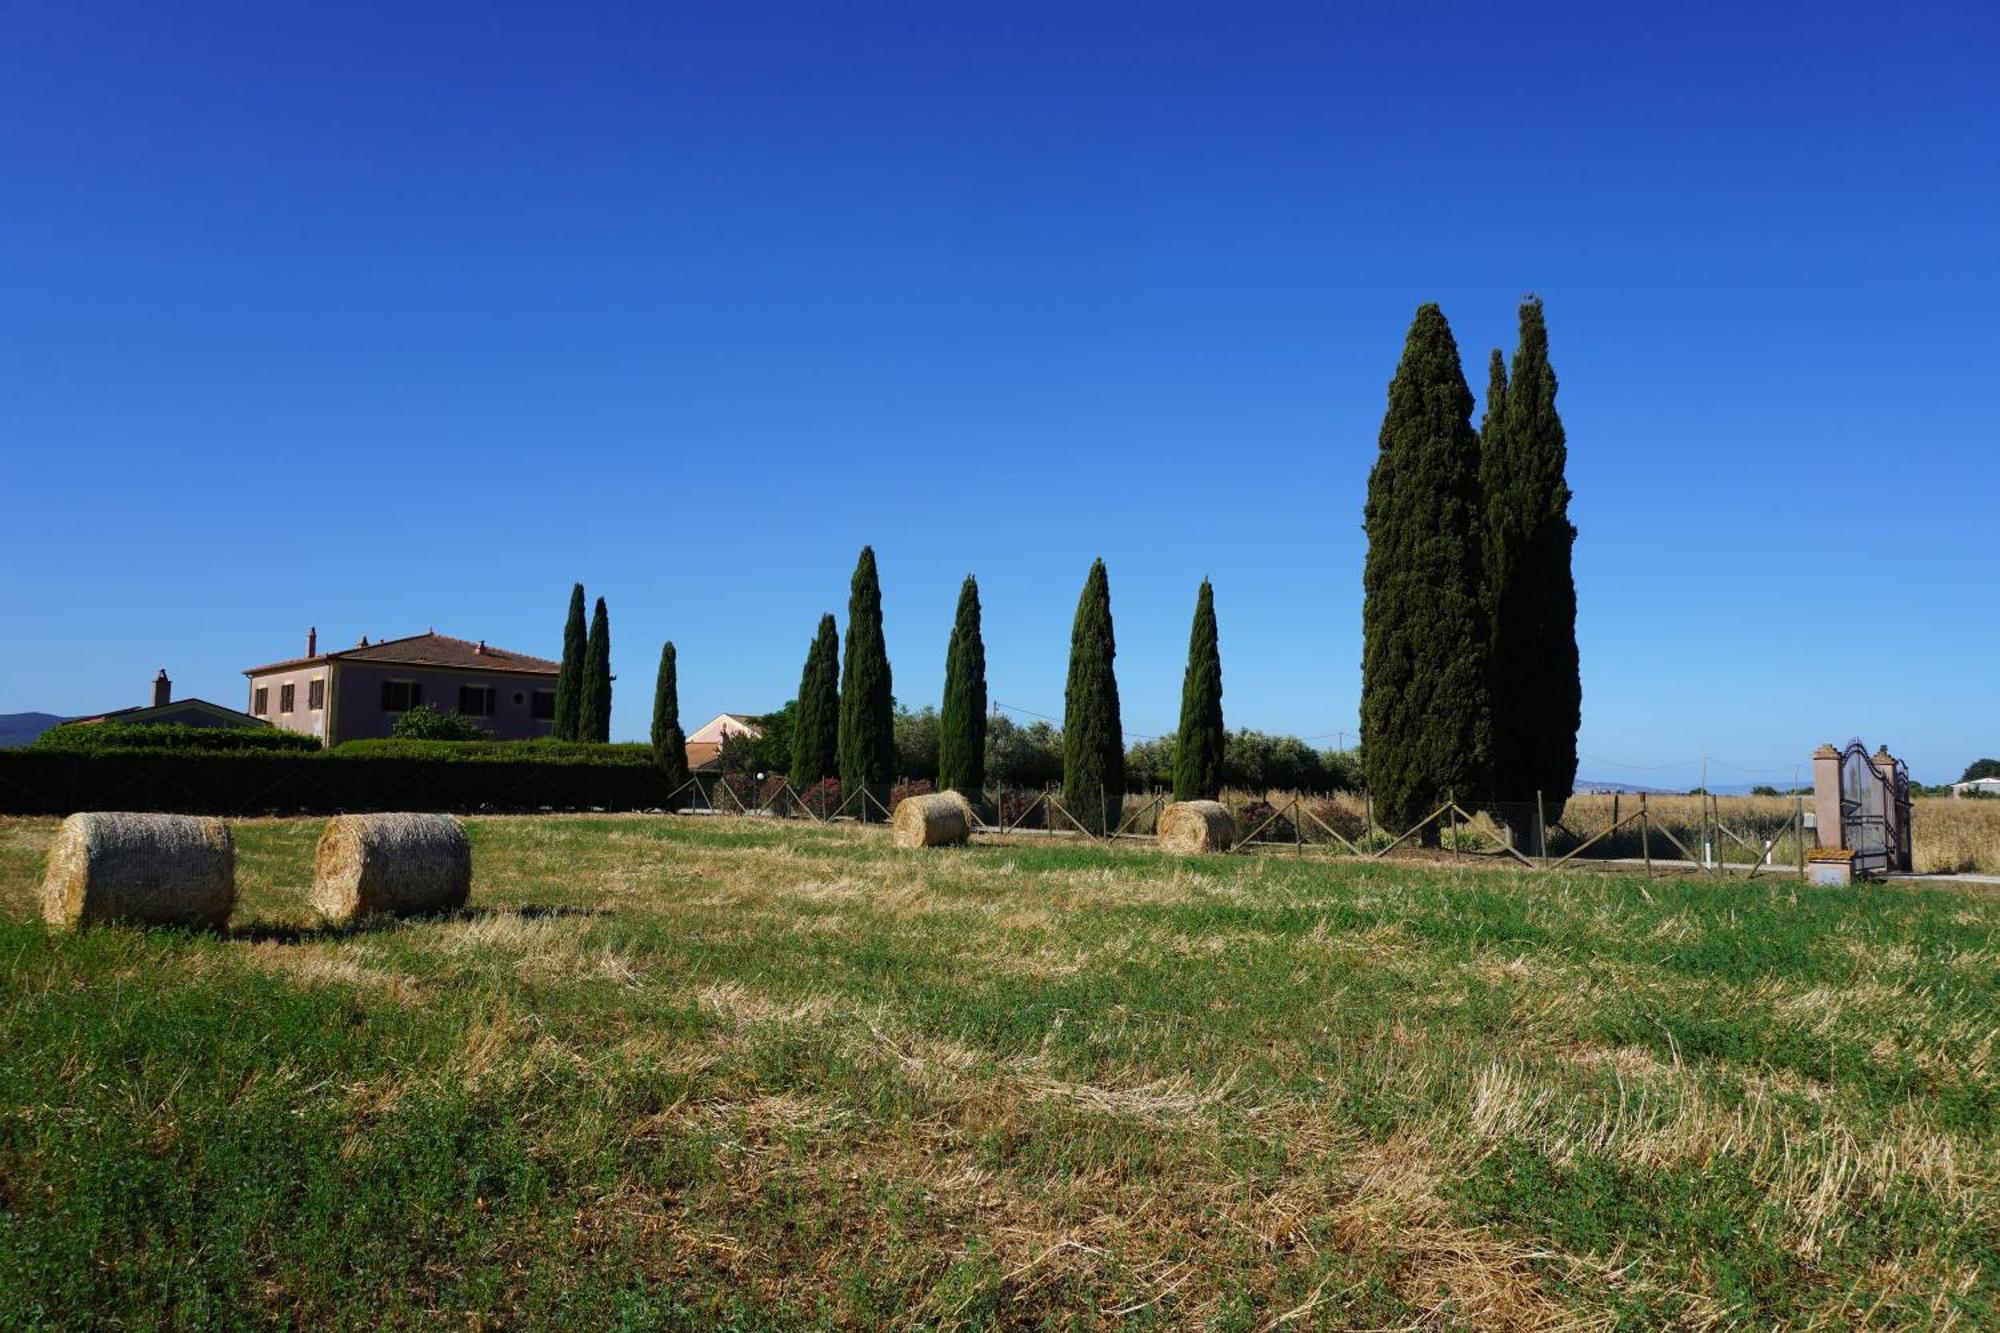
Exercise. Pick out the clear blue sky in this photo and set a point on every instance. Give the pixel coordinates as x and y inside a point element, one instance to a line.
<point>380,318</point>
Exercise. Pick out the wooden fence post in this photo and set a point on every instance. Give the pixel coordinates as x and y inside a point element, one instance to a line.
<point>1645,835</point>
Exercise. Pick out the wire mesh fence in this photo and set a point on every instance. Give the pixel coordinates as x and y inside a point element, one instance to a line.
<point>1701,833</point>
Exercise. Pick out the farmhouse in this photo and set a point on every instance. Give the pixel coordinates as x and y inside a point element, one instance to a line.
<point>1977,787</point>
<point>166,709</point>
<point>704,745</point>
<point>359,692</point>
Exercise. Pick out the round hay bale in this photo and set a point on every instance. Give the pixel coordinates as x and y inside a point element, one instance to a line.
<point>939,820</point>
<point>393,865</point>
<point>140,870</point>
<point>1197,826</point>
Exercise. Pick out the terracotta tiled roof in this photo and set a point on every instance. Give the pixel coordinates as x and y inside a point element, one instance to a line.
<point>433,650</point>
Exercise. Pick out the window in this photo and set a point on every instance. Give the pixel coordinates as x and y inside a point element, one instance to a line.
<point>316,694</point>
<point>400,696</point>
<point>475,700</point>
<point>545,706</point>
<point>288,695</point>
<point>260,701</point>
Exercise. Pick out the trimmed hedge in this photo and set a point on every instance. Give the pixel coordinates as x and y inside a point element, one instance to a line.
<point>487,752</point>
<point>95,737</point>
<point>55,782</point>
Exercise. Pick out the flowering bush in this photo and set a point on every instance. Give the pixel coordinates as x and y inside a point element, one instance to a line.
<point>921,787</point>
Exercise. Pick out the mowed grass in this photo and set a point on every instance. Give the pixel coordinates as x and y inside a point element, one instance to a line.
<point>738,1074</point>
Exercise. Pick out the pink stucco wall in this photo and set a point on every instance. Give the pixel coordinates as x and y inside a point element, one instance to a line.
<point>354,699</point>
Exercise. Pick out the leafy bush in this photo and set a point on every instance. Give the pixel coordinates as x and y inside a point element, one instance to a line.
<point>96,737</point>
<point>1149,765</point>
<point>1018,756</point>
<point>428,723</point>
<point>1981,768</point>
<point>774,741</point>
<point>903,791</point>
<point>823,797</point>
<point>490,751</point>
<point>738,755</point>
<point>917,743</point>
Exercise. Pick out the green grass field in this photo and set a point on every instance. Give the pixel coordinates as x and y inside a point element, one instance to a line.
<point>736,1074</point>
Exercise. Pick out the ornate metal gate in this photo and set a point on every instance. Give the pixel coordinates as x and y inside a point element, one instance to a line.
<point>1874,810</point>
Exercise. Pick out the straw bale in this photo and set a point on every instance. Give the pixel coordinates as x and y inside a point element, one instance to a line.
<point>938,820</point>
<point>1197,826</point>
<point>393,865</point>
<point>140,869</point>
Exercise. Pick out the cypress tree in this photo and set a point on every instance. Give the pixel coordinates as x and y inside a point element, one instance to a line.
<point>816,725</point>
<point>1530,589</point>
<point>594,722</point>
<point>962,724</point>
<point>669,741</point>
<point>569,678</point>
<point>867,706</point>
<point>1425,708</point>
<point>1093,737</point>
<point>1199,746</point>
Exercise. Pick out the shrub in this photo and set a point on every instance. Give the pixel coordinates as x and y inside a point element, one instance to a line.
<point>822,797</point>
<point>738,754</point>
<point>489,751</point>
<point>903,791</point>
<point>1018,756</point>
<point>1149,764</point>
<point>425,722</point>
<point>94,737</point>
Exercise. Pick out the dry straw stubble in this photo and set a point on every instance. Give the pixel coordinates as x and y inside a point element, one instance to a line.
<point>392,865</point>
<point>140,869</point>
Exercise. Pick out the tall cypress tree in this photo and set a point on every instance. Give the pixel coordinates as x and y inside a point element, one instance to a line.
<point>1093,736</point>
<point>669,741</point>
<point>867,706</point>
<point>569,678</point>
<point>1530,589</point>
<point>962,724</point>
<point>816,725</point>
<point>1425,706</point>
<point>1492,422</point>
<point>594,724</point>
<point>1198,748</point>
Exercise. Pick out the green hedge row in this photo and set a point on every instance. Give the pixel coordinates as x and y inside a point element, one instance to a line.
<point>249,783</point>
<point>488,752</point>
<point>93,737</point>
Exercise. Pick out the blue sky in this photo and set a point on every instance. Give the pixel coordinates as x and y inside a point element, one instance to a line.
<point>380,320</point>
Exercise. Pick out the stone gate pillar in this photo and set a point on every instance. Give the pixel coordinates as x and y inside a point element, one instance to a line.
<point>1895,814</point>
<point>1826,797</point>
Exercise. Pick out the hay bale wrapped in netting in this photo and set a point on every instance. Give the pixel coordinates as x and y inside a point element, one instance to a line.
<point>1197,826</point>
<point>939,820</point>
<point>393,865</point>
<point>141,870</point>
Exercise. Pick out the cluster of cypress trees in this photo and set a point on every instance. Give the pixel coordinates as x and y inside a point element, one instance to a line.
<point>583,681</point>
<point>1470,681</point>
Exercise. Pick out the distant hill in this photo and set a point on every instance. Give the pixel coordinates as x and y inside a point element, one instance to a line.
<point>20,728</point>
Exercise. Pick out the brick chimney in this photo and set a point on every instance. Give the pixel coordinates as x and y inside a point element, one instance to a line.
<point>312,641</point>
<point>163,690</point>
